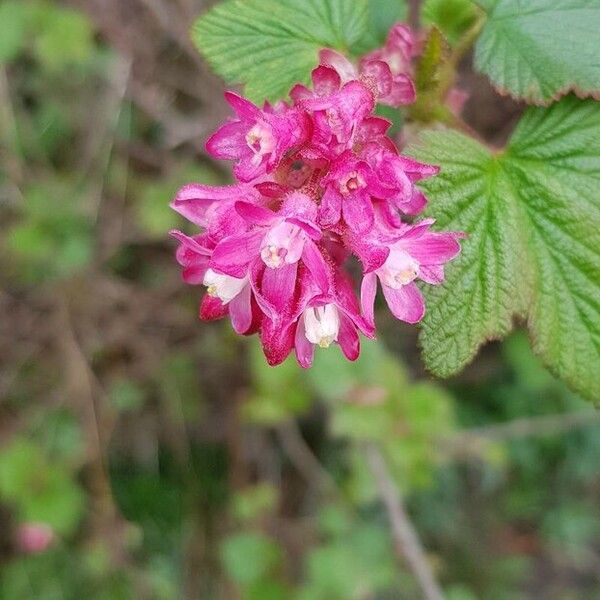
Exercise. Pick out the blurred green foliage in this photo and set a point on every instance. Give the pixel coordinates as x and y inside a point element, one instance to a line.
<point>195,493</point>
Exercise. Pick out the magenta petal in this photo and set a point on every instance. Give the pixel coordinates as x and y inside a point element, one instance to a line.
<point>212,308</point>
<point>256,272</point>
<point>348,338</point>
<point>244,109</point>
<point>402,92</point>
<point>371,255</point>
<point>433,274</point>
<point>417,203</point>
<point>300,92</point>
<point>380,73</point>
<point>406,303</point>
<point>358,212</point>
<point>330,209</point>
<point>247,170</point>
<point>305,351</point>
<point>194,274</point>
<point>189,243</point>
<point>317,265</point>
<point>232,255</point>
<point>240,310</point>
<point>254,214</point>
<point>278,286</point>
<point>416,170</point>
<point>229,141</point>
<point>368,291</point>
<point>345,69</point>
<point>277,340</point>
<point>326,80</point>
<point>432,248</point>
<point>271,189</point>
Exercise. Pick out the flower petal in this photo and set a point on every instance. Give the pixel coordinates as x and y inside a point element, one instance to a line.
<point>233,254</point>
<point>278,286</point>
<point>229,141</point>
<point>243,108</point>
<point>277,340</point>
<point>330,209</point>
<point>211,308</point>
<point>358,212</point>
<point>368,291</point>
<point>240,310</point>
<point>305,351</point>
<point>254,214</point>
<point>406,302</point>
<point>317,265</point>
<point>348,338</point>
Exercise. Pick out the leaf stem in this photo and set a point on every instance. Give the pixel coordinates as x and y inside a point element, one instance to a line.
<point>448,75</point>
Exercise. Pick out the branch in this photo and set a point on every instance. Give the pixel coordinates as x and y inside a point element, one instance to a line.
<point>303,458</point>
<point>473,441</point>
<point>406,539</point>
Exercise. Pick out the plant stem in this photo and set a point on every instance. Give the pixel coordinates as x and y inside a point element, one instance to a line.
<point>405,535</point>
<point>448,75</point>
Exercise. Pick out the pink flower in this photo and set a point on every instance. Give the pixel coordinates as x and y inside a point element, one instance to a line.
<point>350,186</point>
<point>381,71</point>
<point>316,182</point>
<point>258,139</point>
<point>331,318</point>
<point>398,174</point>
<point>414,253</point>
<point>338,116</point>
<point>33,538</point>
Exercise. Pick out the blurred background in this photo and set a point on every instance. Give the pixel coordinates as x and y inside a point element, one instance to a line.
<point>144,454</point>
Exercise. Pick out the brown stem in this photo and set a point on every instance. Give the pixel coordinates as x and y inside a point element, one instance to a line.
<point>408,544</point>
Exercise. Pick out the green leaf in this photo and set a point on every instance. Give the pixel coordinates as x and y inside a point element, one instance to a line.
<point>532,214</point>
<point>41,491</point>
<point>249,556</point>
<point>452,17</point>
<point>539,50</point>
<point>66,38</point>
<point>383,14</point>
<point>271,44</point>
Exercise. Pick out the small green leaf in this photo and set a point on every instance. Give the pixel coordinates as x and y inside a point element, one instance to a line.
<point>532,215</point>
<point>66,38</point>
<point>248,556</point>
<point>539,50</point>
<point>271,44</point>
<point>452,17</point>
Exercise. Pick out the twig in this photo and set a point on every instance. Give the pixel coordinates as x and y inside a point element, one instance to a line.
<point>407,541</point>
<point>472,441</point>
<point>303,458</point>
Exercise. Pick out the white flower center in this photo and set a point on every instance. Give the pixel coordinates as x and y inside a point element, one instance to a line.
<point>322,325</point>
<point>351,182</point>
<point>261,141</point>
<point>224,287</point>
<point>273,256</point>
<point>399,269</point>
<point>283,244</point>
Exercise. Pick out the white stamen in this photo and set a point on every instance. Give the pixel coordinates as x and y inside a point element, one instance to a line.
<point>322,325</point>
<point>224,287</point>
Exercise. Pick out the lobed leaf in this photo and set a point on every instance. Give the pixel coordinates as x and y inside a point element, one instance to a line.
<point>271,44</point>
<point>533,218</point>
<point>539,50</point>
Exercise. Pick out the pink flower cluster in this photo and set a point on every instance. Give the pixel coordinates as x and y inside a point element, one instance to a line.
<point>319,181</point>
